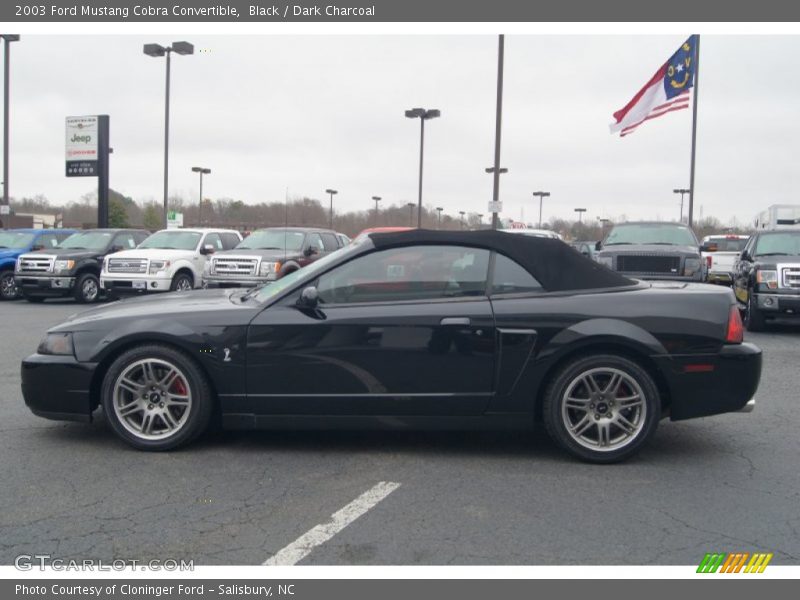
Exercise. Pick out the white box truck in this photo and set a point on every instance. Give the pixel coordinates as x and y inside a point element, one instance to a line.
<point>779,216</point>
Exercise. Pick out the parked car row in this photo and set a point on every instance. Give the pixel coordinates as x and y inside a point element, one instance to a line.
<point>41,264</point>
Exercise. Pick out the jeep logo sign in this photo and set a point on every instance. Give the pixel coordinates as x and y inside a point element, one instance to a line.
<point>81,146</point>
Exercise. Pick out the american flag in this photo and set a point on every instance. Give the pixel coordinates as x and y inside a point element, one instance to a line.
<point>667,91</point>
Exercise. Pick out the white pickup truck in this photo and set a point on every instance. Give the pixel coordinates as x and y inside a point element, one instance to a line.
<point>168,260</point>
<point>720,253</point>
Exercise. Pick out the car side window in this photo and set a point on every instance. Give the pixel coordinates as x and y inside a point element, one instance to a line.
<point>314,241</point>
<point>214,240</point>
<point>125,240</point>
<point>140,236</point>
<point>410,273</point>
<point>48,240</point>
<point>509,277</point>
<point>229,240</point>
<point>329,241</point>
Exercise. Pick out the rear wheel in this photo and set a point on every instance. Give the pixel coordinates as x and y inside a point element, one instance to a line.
<point>87,288</point>
<point>602,408</point>
<point>8,287</point>
<point>156,398</point>
<point>753,317</point>
<point>182,282</point>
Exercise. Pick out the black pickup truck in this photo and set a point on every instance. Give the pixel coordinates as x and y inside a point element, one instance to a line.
<point>73,267</point>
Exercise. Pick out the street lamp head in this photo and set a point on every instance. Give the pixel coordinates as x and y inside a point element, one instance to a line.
<point>416,113</point>
<point>183,48</point>
<point>330,191</point>
<point>10,37</point>
<point>377,198</point>
<point>432,113</point>
<point>440,208</point>
<point>154,50</point>
<point>206,171</point>
<point>411,204</point>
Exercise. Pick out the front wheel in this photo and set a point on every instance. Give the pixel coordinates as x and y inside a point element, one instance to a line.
<point>156,398</point>
<point>8,287</point>
<point>602,408</point>
<point>87,288</point>
<point>182,282</point>
<point>753,317</point>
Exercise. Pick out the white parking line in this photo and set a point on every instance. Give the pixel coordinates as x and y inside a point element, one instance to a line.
<point>302,546</point>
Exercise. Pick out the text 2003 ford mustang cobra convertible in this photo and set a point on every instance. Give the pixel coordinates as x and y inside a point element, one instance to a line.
<point>418,329</point>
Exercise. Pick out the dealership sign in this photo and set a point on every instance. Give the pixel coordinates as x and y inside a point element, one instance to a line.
<point>174,220</point>
<point>82,135</point>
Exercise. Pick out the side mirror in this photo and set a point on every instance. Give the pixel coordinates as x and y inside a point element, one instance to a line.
<point>115,248</point>
<point>207,249</point>
<point>309,297</point>
<point>36,247</point>
<point>745,257</point>
<point>599,245</point>
<point>310,251</point>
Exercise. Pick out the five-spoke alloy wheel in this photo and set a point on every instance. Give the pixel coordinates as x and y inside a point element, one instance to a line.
<point>602,408</point>
<point>156,398</point>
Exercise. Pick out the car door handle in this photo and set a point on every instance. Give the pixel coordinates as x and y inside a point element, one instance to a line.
<point>455,321</point>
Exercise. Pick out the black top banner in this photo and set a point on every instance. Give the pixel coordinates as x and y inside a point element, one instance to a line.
<point>463,11</point>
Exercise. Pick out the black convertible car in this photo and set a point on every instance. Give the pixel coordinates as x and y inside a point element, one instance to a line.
<point>418,329</point>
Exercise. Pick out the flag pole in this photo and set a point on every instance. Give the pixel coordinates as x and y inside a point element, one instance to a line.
<point>694,126</point>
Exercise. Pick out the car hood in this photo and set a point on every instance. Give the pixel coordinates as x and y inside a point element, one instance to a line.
<point>154,253</point>
<point>265,254</point>
<point>10,252</point>
<point>164,307</point>
<point>67,253</point>
<point>650,249</point>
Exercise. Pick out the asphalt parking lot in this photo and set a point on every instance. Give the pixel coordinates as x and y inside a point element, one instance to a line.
<point>727,483</point>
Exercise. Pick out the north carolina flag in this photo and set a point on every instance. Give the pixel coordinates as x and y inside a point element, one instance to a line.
<point>667,91</point>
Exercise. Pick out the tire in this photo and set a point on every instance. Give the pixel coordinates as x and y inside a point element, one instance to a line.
<point>156,398</point>
<point>87,288</point>
<point>34,299</point>
<point>576,411</point>
<point>182,282</point>
<point>8,287</point>
<point>753,317</point>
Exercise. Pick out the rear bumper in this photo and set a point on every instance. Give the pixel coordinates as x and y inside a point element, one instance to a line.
<point>720,277</point>
<point>58,387</point>
<point>227,282</point>
<point>46,287</point>
<point>709,384</point>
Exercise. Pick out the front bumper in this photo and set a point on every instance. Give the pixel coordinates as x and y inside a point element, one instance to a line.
<point>779,305</point>
<point>709,384</point>
<point>50,287</point>
<point>134,285</point>
<point>58,387</point>
<point>211,281</point>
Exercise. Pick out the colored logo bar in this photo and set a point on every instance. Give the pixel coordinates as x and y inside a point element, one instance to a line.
<point>735,562</point>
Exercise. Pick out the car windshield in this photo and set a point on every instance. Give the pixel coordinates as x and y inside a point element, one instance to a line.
<point>15,239</point>
<point>273,239</point>
<point>88,240</point>
<point>728,244</point>
<point>172,240</point>
<point>270,291</point>
<point>651,233</point>
<point>787,243</point>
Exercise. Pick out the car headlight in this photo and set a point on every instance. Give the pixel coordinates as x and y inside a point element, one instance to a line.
<point>691,266</point>
<point>56,343</point>
<point>269,269</point>
<point>606,261</point>
<point>158,265</point>
<point>768,278</point>
<point>63,265</point>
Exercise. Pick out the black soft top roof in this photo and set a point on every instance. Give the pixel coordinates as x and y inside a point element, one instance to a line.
<point>554,264</point>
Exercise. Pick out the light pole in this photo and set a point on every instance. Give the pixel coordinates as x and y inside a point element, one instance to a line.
<point>423,115</point>
<point>7,39</point>
<point>410,206</point>
<point>202,171</point>
<point>462,213</point>
<point>439,210</point>
<point>498,128</point>
<point>542,196</point>
<point>603,226</point>
<point>682,192</point>
<point>332,193</point>
<point>376,199</point>
<point>155,51</point>
<point>480,220</point>
<point>580,212</point>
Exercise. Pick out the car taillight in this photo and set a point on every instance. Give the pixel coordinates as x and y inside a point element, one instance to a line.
<point>735,333</point>
<point>708,262</point>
